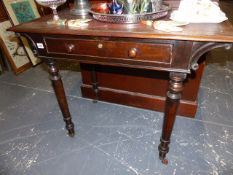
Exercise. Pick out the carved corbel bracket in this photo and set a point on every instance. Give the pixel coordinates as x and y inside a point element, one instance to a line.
<point>32,43</point>
<point>200,48</point>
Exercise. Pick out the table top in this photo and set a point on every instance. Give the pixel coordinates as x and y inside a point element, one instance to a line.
<point>222,32</point>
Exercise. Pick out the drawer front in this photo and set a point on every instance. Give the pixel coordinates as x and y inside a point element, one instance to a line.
<point>144,52</point>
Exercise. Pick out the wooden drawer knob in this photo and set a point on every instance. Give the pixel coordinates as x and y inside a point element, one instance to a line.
<point>70,47</point>
<point>132,52</point>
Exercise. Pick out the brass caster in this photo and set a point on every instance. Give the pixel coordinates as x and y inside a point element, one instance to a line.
<point>164,161</point>
<point>71,133</point>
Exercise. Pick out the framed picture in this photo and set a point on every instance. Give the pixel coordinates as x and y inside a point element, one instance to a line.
<point>13,49</point>
<point>22,11</point>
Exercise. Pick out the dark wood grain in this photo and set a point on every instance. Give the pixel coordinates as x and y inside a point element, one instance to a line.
<point>60,94</point>
<point>3,14</point>
<point>185,52</point>
<point>172,102</point>
<point>193,32</point>
<point>134,50</point>
<point>140,88</point>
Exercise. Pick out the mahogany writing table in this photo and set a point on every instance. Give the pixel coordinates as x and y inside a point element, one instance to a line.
<point>126,45</point>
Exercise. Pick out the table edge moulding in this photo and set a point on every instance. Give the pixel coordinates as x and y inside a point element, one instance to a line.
<point>126,46</point>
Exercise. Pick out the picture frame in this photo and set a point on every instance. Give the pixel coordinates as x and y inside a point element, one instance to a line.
<point>13,49</point>
<point>20,11</point>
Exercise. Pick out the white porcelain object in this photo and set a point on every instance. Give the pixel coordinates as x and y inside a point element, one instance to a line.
<point>198,11</point>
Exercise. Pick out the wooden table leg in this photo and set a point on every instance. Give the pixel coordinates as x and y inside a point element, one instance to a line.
<point>60,94</point>
<point>94,84</point>
<point>172,102</point>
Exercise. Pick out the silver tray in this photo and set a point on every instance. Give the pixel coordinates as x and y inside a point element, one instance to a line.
<point>129,18</point>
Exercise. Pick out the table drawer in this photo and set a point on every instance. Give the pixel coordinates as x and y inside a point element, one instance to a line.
<point>124,50</point>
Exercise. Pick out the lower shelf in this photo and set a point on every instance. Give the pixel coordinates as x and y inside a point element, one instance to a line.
<point>157,103</point>
<point>137,87</point>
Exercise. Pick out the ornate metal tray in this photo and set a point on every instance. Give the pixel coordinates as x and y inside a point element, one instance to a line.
<point>127,18</point>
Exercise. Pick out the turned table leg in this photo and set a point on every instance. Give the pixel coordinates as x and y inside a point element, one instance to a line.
<point>172,102</point>
<point>61,97</point>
